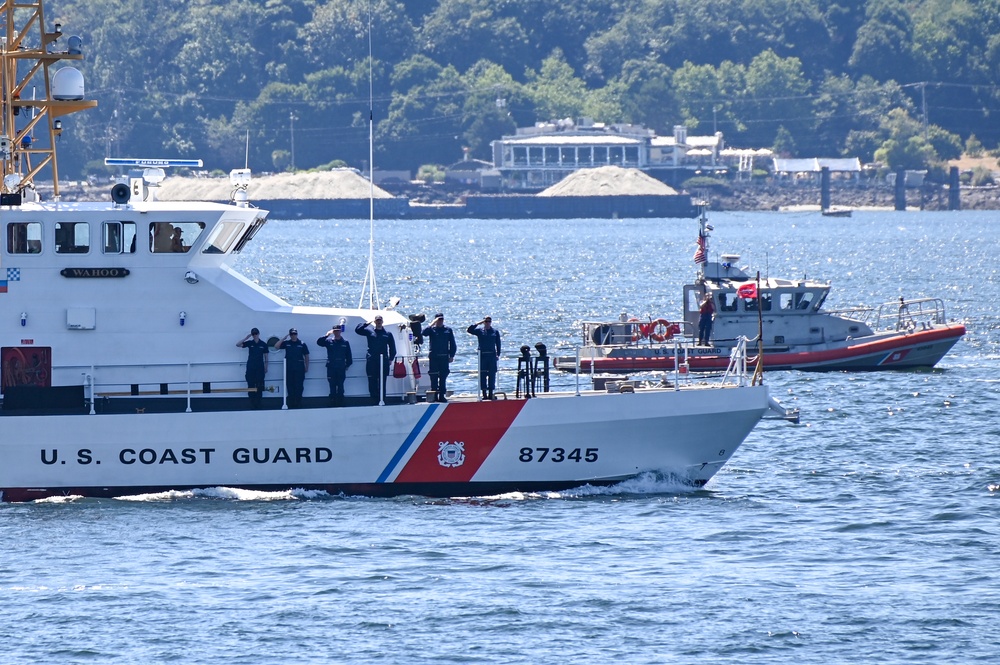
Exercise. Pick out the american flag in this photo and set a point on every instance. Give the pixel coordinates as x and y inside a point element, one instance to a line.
<point>699,254</point>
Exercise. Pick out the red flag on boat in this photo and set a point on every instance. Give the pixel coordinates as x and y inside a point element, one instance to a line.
<point>748,290</point>
<point>699,254</point>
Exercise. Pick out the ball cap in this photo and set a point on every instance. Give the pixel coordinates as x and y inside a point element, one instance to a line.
<point>254,331</point>
<point>439,315</point>
<point>293,331</point>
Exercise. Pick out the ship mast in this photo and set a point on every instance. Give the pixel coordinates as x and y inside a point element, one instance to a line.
<point>369,281</point>
<point>29,127</point>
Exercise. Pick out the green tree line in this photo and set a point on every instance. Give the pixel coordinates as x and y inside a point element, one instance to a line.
<point>906,82</point>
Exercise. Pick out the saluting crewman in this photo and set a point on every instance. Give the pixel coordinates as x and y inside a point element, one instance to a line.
<point>256,365</point>
<point>381,353</point>
<point>441,351</point>
<point>296,365</point>
<point>338,359</point>
<point>489,352</point>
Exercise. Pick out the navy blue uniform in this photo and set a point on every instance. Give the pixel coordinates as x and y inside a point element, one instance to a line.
<point>489,351</point>
<point>256,353</point>
<point>338,359</point>
<point>381,353</point>
<point>441,349</point>
<point>296,352</point>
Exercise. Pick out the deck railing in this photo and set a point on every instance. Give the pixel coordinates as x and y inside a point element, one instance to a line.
<point>919,314</point>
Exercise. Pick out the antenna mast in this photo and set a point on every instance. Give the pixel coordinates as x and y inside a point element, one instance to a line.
<point>369,282</point>
<point>28,49</point>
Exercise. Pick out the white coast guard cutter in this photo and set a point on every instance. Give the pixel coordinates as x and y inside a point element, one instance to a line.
<point>116,318</point>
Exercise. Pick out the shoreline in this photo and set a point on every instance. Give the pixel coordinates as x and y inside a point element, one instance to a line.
<point>735,197</point>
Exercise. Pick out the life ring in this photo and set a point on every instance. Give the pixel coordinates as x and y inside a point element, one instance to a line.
<point>661,330</point>
<point>639,329</point>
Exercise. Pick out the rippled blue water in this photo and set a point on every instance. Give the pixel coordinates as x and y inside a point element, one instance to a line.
<point>869,533</point>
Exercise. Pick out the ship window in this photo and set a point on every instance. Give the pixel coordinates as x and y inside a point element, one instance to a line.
<point>250,233</point>
<point>750,304</point>
<point>119,237</point>
<point>785,300</point>
<point>177,237</point>
<point>222,239</point>
<point>804,300</point>
<point>693,300</point>
<point>728,301</point>
<point>24,238</point>
<point>551,155</point>
<point>72,237</point>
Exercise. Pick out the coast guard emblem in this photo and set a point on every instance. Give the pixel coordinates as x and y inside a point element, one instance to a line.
<point>451,454</point>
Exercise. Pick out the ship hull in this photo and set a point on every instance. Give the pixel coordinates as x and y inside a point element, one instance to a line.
<point>457,449</point>
<point>912,350</point>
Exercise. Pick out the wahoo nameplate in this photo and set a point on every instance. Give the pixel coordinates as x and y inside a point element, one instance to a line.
<point>94,272</point>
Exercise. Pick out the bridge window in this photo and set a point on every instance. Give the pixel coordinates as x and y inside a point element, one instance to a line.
<point>176,237</point>
<point>750,304</point>
<point>72,237</point>
<point>24,238</point>
<point>119,237</point>
<point>223,238</point>
<point>804,300</point>
<point>728,301</point>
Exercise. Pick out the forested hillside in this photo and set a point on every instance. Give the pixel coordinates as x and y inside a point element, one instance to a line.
<point>913,81</point>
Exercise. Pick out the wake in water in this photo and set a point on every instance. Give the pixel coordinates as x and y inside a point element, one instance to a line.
<point>645,484</point>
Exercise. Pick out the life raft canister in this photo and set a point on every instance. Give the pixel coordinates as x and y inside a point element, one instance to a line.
<point>661,330</point>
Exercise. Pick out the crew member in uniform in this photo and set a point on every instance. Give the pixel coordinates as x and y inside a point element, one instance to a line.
<point>707,312</point>
<point>441,352</point>
<point>296,365</point>
<point>381,353</point>
<point>256,365</point>
<point>489,351</point>
<point>338,359</point>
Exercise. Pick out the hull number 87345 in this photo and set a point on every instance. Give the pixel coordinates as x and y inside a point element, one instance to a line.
<point>558,455</point>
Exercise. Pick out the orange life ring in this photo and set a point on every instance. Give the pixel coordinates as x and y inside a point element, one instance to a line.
<point>661,330</point>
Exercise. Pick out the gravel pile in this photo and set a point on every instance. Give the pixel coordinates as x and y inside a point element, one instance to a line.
<point>337,184</point>
<point>609,181</point>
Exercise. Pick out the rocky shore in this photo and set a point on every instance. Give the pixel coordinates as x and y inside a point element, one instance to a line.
<point>769,196</point>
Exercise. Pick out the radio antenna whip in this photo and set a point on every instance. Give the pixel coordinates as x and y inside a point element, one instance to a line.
<point>369,282</point>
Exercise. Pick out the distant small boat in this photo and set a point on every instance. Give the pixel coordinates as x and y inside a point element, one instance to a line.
<point>796,332</point>
<point>836,212</point>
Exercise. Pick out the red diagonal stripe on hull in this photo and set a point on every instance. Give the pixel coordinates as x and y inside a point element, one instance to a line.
<point>479,425</point>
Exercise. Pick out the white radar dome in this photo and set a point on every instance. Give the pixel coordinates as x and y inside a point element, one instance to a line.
<point>67,84</point>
